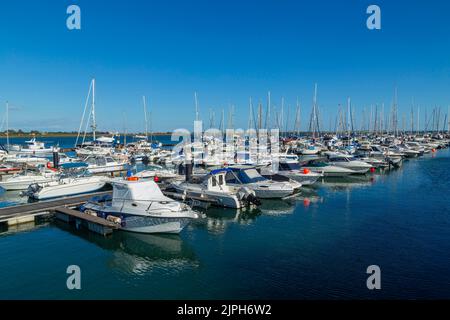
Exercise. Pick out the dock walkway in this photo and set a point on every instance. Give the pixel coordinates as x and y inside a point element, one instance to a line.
<point>27,212</point>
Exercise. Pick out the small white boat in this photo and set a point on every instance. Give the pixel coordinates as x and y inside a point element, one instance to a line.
<point>103,164</point>
<point>248,176</point>
<point>215,190</point>
<point>348,162</point>
<point>140,206</point>
<point>320,166</point>
<point>65,187</point>
<point>21,181</point>
<point>290,168</point>
<point>24,158</point>
<point>158,172</point>
<point>32,147</point>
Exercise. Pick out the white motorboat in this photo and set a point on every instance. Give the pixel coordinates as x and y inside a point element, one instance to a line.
<point>140,206</point>
<point>158,172</point>
<point>25,158</point>
<point>214,189</point>
<point>94,150</point>
<point>21,181</point>
<point>320,166</point>
<point>103,164</point>
<point>65,186</point>
<point>291,169</point>
<point>248,176</point>
<point>310,150</point>
<point>348,162</point>
<point>31,147</point>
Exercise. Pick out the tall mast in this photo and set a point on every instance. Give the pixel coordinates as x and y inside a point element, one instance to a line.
<point>94,125</point>
<point>268,112</point>
<point>297,118</point>
<point>314,113</point>
<point>145,117</point>
<point>250,116</point>
<point>259,117</point>
<point>418,119</point>
<point>124,128</point>
<point>448,120</point>
<point>348,116</point>
<point>7,125</point>
<point>282,116</point>
<point>196,107</point>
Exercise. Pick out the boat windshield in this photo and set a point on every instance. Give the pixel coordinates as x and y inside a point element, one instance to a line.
<point>287,166</point>
<point>250,176</point>
<point>338,159</point>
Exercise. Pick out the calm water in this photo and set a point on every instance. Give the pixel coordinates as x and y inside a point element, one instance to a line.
<point>316,246</point>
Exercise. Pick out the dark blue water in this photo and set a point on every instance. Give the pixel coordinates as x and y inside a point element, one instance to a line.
<point>317,246</point>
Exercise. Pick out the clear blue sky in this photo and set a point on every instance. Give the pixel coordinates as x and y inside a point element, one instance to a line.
<point>227,51</point>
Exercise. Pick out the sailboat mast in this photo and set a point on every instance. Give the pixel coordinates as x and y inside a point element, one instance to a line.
<point>94,126</point>
<point>7,125</point>
<point>145,116</point>
<point>196,107</point>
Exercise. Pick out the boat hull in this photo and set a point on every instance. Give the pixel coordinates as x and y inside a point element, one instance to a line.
<point>67,190</point>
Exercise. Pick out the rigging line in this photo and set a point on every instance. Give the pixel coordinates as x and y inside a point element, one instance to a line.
<point>84,112</point>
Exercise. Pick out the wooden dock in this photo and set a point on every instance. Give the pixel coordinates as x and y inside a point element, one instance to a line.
<point>28,212</point>
<point>92,223</point>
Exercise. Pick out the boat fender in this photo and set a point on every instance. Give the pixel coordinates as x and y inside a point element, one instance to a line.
<point>114,219</point>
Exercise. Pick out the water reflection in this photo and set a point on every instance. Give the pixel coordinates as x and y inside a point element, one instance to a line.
<point>216,220</point>
<point>348,183</point>
<point>6,230</point>
<point>138,254</point>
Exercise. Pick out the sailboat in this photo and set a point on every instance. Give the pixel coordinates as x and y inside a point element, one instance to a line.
<point>98,146</point>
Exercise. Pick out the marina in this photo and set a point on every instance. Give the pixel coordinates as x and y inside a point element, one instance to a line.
<point>350,211</point>
<point>239,151</point>
<point>255,188</point>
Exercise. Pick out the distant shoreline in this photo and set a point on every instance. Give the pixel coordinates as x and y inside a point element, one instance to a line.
<point>68,135</point>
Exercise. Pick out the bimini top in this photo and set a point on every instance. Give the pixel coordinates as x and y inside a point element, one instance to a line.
<point>137,191</point>
<point>222,170</point>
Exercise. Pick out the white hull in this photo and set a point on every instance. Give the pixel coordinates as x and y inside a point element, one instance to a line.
<point>67,188</point>
<point>220,199</point>
<point>332,171</point>
<point>22,184</point>
<point>105,169</point>
<point>304,179</point>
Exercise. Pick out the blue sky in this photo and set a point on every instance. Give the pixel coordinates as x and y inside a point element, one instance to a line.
<point>227,51</point>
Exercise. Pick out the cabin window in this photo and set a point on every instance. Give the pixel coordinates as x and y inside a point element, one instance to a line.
<point>220,180</point>
<point>214,183</point>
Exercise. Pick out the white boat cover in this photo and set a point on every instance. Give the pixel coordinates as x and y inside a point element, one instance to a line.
<point>137,191</point>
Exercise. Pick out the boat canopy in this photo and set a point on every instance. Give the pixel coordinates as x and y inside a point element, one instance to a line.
<point>146,191</point>
<point>222,170</point>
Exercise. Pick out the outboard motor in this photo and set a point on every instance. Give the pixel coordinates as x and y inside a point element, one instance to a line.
<point>32,189</point>
<point>248,196</point>
<point>146,160</point>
